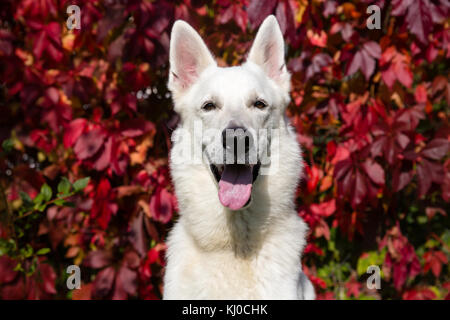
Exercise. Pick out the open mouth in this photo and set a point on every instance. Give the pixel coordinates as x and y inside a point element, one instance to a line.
<point>235,183</point>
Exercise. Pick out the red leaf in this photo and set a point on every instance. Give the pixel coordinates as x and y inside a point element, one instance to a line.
<point>7,273</point>
<point>341,168</point>
<point>13,291</point>
<point>373,49</point>
<point>131,259</point>
<point>137,235</point>
<point>314,174</point>
<point>104,206</point>
<point>322,229</point>
<point>367,65</point>
<point>39,44</point>
<point>89,143</point>
<point>318,282</point>
<point>318,63</point>
<point>436,149</point>
<point>420,294</point>
<point>285,17</point>
<point>434,260</point>
<point>312,248</point>
<point>258,10</point>
<point>356,63</point>
<point>360,189</point>
<point>136,127</point>
<point>324,209</point>
<point>73,131</point>
<point>103,282</point>
<point>431,212</point>
<point>378,146</point>
<point>419,19</point>
<point>125,284</point>
<point>374,171</point>
<point>104,160</point>
<point>98,259</point>
<point>52,94</point>
<point>401,179</point>
<point>394,66</point>
<point>42,140</point>
<point>48,277</point>
<point>420,94</point>
<point>364,59</point>
<point>353,288</point>
<point>49,40</point>
<point>402,140</point>
<point>84,293</point>
<point>446,187</point>
<point>403,74</point>
<point>161,205</point>
<point>424,177</point>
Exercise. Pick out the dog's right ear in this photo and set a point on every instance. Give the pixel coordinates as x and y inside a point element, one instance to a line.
<point>189,57</point>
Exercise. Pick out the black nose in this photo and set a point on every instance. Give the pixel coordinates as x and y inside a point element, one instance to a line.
<point>236,136</point>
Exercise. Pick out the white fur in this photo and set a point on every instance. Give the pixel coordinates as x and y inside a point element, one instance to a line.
<point>213,252</point>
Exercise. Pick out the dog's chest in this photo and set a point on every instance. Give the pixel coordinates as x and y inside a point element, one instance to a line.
<point>220,276</point>
<point>265,267</point>
<point>224,276</point>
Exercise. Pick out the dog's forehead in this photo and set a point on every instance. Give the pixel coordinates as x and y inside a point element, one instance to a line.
<point>234,81</point>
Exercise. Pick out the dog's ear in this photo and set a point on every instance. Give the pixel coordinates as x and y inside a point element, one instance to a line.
<point>267,51</point>
<point>189,56</point>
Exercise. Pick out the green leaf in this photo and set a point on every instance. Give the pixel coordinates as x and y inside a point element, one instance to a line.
<point>422,219</point>
<point>59,202</point>
<point>27,251</point>
<point>18,267</point>
<point>436,292</point>
<point>32,268</point>
<point>7,246</point>
<point>46,191</point>
<point>69,204</point>
<point>38,200</point>
<point>26,199</point>
<point>64,186</point>
<point>366,297</point>
<point>431,243</point>
<point>41,207</point>
<point>81,184</point>
<point>43,251</point>
<point>373,258</point>
<point>20,233</point>
<point>7,145</point>
<point>446,237</point>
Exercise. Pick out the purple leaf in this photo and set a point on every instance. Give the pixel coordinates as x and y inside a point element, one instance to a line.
<point>436,149</point>
<point>258,10</point>
<point>98,259</point>
<point>103,282</point>
<point>89,143</point>
<point>374,171</point>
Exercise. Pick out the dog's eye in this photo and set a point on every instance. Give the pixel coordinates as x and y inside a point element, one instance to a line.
<point>209,106</point>
<point>259,104</point>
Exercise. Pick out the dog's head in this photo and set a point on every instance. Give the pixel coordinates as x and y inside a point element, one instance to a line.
<point>234,108</point>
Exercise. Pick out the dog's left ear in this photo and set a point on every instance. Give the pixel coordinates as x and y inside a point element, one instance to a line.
<point>268,52</point>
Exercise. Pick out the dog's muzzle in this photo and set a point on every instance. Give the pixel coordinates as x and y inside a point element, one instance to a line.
<point>240,169</point>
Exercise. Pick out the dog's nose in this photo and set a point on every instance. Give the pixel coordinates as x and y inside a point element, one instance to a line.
<point>237,136</point>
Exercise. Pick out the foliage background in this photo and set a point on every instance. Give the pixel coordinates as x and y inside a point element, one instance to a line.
<point>370,108</point>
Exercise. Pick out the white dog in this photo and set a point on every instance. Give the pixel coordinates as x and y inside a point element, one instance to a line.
<point>238,235</point>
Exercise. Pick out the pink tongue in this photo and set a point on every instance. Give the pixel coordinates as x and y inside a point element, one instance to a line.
<point>235,186</point>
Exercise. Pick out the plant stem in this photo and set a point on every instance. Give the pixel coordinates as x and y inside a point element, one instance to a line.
<point>46,204</point>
